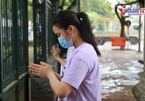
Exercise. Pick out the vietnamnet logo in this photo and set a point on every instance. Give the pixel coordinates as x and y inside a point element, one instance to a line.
<point>131,11</point>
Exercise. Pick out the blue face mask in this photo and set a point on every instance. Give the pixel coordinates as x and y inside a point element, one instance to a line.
<point>65,44</point>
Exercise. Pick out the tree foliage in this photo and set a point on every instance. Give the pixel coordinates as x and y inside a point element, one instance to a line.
<point>66,4</point>
<point>138,2</point>
<point>97,9</point>
<point>101,7</point>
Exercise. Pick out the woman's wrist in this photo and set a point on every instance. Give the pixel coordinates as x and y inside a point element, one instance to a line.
<point>58,58</point>
<point>50,73</point>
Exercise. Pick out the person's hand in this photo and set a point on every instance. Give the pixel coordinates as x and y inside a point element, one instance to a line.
<point>55,52</point>
<point>42,70</point>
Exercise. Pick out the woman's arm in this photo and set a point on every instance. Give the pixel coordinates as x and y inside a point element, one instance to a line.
<point>61,61</point>
<point>44,70</point>
<point>60,88</point>
<point>57,75</point>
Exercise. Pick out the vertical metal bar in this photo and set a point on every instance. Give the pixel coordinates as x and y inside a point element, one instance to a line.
<point>25,31</point>
<point>78,3</point>
<point>19,33</point>
<point>6,40</point>
<point>55,7</point>
<point>15,41</point>
<point>47,29</point>
<point>34,33</point>
<point>139,35</point>
<point>50,36</point>
<point>3,36</point>
<point>39,31</point>
<point>1,57</point>
<point>43,39</point>
<point>15,36</point>
<point>44,32</point>
<point>144,38</point>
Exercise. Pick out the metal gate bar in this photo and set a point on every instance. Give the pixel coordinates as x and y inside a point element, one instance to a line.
<point>13,50</point>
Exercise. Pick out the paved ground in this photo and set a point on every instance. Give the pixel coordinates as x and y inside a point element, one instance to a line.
<point>119,71</point>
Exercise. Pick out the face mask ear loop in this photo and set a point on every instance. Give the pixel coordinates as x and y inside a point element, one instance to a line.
<point>71,35</point>
<point>65,33</point>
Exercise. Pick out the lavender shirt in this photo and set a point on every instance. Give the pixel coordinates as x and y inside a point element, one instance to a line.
<point>82,72</point>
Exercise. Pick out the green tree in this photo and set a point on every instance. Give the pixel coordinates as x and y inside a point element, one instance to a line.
<point>66,4</point>
<point>101,7</point>
<point>97,9</point>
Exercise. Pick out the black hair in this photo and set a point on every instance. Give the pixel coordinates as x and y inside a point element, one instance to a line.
<point>81,21</point>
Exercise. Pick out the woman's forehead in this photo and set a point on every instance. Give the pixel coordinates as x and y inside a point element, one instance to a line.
<point>55,28</point>
<point>58,31</point>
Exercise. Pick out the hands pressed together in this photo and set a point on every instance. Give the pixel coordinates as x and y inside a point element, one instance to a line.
<point>43,69</point>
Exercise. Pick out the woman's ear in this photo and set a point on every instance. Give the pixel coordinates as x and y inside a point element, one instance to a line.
<point>71,29</point>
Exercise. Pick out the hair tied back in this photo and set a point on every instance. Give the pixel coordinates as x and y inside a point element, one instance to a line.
<point>79,17</point>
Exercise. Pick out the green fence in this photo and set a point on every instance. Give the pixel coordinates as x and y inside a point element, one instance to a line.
<point>43,13</point>
<point>13,50</point>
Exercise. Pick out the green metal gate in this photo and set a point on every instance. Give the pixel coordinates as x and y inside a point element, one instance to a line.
<point>43,12</point>
<point>13,50</point>
<point>43,38</point>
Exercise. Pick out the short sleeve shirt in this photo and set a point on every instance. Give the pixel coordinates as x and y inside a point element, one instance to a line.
<point>82,72</point>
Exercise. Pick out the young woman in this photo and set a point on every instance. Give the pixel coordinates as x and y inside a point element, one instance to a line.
<point>80,80</point>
